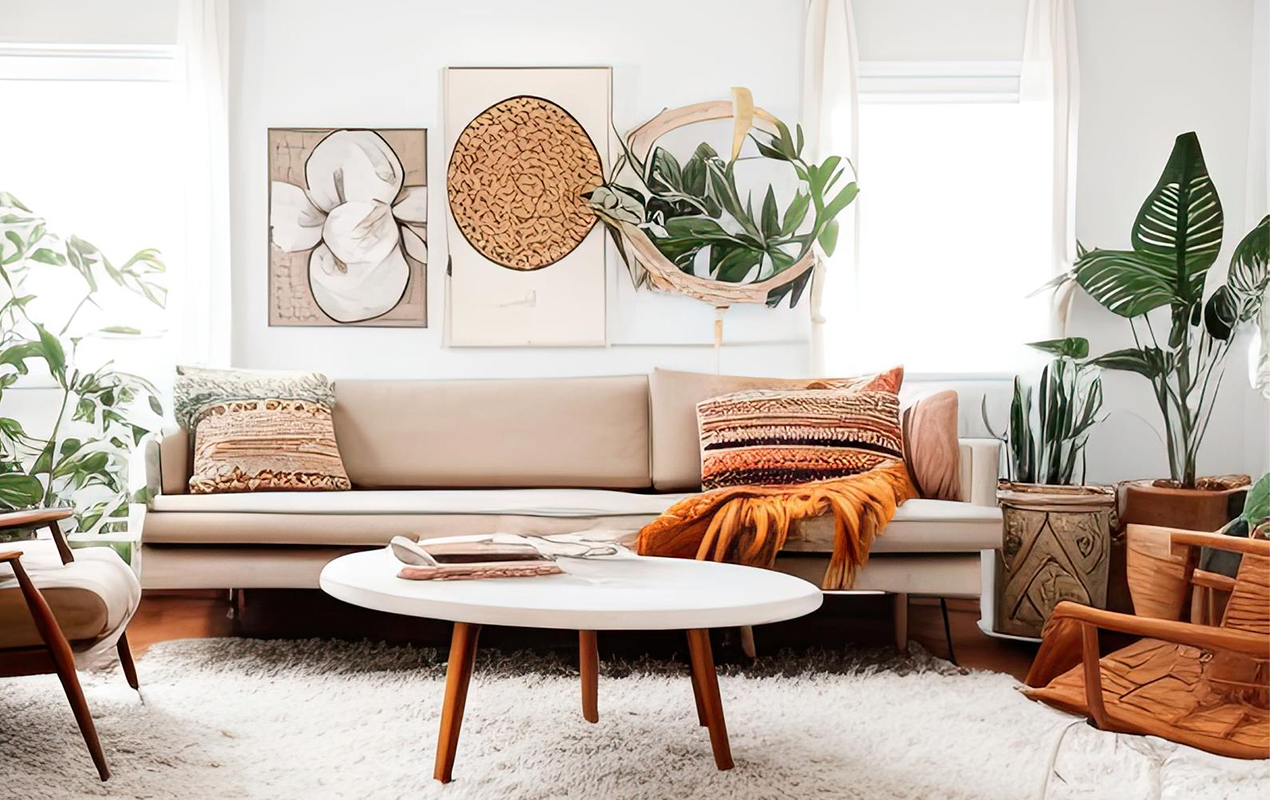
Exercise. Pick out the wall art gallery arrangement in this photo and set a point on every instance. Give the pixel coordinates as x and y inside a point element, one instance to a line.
<point>530,188</point>
<point>527,259</point>
<point>348,213</point>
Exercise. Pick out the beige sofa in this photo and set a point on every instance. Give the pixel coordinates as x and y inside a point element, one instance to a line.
<point>440,458</point>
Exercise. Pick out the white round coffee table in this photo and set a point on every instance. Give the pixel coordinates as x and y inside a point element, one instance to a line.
<point>609,594</point>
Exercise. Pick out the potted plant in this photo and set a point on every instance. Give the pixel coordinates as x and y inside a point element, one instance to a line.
<point>1180,340</point>
<point>1057,532</point>
<point>81,460</point>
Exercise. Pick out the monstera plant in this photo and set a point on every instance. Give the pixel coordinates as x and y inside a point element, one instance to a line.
<point>1180,340</point>
<point>80,460</point>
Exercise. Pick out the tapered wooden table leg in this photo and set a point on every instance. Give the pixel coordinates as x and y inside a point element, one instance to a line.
<point>708,685</point>
<point>696,694</point>
<point>589,659</point>
<point>457,676</point>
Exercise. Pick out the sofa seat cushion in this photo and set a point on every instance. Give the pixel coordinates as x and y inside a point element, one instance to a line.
<point>523,502</point>
<point>370,518</point>
<point>91,597</point>
<point>919,526</point>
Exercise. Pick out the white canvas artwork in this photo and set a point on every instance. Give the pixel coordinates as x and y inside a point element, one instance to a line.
<point>527,256</point>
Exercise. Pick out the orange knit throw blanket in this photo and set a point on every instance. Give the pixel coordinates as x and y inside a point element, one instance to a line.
<point>749,524</point>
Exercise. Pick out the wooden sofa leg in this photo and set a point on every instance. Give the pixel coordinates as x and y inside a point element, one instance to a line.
<point>900,619</point>
<point>125,661</point>
<point>63,662</point>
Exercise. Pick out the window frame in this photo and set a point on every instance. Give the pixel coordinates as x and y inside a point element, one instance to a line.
<point>889,82</point>
<point>121,63</point>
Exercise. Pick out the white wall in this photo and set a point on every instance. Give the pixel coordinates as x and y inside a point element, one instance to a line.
<point>378,63</point>
<point>1150,69</point>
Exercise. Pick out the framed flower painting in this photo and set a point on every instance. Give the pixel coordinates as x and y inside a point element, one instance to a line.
<point>348,217</point>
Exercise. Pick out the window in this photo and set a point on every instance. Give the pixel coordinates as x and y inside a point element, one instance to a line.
<point>91,146</point>
<point>954,221</point>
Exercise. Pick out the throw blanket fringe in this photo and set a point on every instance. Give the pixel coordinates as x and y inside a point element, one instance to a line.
<point>749,524</point>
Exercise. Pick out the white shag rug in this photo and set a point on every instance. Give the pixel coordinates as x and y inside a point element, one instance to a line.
<point>234,718</point>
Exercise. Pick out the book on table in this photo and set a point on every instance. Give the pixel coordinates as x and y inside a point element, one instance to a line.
<point>466,558</point>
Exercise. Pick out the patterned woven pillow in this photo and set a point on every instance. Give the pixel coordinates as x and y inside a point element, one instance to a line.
<point>774,437</point>
<point>259,431</point>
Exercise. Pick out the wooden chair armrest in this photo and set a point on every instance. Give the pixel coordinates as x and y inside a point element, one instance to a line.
<point>1217,541</point>
<point>10,556</point>
<point>1244,642</point>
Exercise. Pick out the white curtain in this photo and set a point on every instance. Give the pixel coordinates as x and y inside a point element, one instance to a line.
<point>830,120</point>
<point>1049,83</point>
<point>200,295</point>
<point>1258,199</point>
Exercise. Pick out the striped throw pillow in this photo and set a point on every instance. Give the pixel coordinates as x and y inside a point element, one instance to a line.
<point>775,437</point>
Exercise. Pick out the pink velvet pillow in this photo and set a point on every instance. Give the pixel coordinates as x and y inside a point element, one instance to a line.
<point>931,449</point>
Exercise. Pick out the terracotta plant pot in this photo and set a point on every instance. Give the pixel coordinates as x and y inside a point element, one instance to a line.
<point>1143,503</point>
<point>1056,547</point>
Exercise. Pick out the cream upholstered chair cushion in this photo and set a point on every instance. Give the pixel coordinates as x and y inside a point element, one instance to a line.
<point>92,597</point>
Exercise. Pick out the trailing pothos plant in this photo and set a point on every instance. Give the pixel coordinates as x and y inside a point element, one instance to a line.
<point>695,209</point>
<point>1180,340</point>
<point>1045,442</point>
<point>82,460</point>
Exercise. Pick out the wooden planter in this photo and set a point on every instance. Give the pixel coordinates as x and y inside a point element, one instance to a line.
<point>1057,546</point>
<point>1143,503</point>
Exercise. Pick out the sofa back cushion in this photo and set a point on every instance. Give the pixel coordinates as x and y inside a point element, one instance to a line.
<point>552,432</point>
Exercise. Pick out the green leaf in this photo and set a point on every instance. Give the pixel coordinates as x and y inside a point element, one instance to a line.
<point>1249,275</point>
<point>1176,237</point>
<point>9,201</point>
<point>770,216</point>
<point>1257,504</point>
<point>1221,313</point>
<point>828,238</point>
<point>16,355</point>
<point>665,169</point>
<point>796,213</point>
<point>54,355</point>
<point>739,262</point>
<point>155,405</point>
<point>841,201</point>
<point>47,256</point>
<point>1149,361</point>
<point>19,491</point>
<point>1075,347</point>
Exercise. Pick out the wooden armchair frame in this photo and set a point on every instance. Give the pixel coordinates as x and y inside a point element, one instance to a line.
<point>55,655</point>
<point>1058,654</point>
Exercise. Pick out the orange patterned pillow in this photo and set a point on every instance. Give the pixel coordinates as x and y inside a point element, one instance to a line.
<point>774,437</point>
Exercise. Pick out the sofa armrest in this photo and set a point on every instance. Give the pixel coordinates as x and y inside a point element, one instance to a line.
<point>167,458</point>
<point>980,468</point>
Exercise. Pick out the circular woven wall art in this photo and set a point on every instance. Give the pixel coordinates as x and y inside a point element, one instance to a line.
<point>516,179</point>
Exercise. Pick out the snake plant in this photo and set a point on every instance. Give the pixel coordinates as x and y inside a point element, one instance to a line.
<point>1045,441</point>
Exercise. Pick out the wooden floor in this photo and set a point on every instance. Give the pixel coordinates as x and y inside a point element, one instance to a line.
<point>203,614</point>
